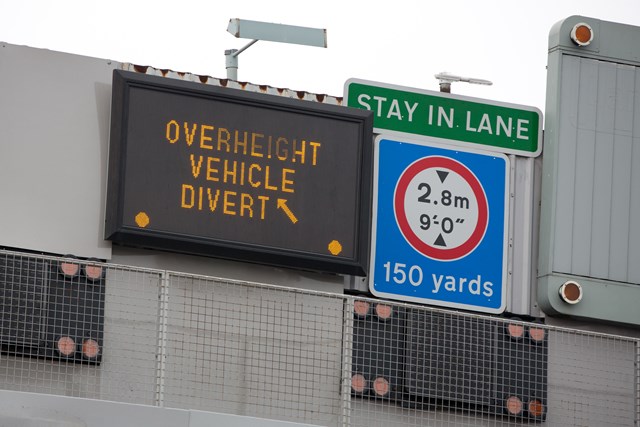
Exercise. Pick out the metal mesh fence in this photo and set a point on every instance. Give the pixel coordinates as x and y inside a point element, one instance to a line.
<point>252,350</point>
<point>87,329</point>
<point>420,366</point>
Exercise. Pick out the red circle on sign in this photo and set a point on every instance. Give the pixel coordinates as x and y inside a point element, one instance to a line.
<point>401,215</point>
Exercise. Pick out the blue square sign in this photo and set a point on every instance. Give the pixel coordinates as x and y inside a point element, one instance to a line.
<point>440,226</point>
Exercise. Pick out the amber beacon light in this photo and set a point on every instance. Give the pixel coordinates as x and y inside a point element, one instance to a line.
<point>582,34</point>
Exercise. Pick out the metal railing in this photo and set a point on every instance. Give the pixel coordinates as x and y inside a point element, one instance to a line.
<point>177,340</point>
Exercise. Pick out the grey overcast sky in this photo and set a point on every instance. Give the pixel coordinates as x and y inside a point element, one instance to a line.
<point>402,42</point>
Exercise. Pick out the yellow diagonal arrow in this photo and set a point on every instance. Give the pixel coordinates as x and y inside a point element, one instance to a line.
<point>282,204</point>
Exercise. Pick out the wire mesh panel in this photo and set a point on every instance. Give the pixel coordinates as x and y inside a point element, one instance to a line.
<point>447,368</point>
<point>132,336</point>
<point>87,329</point>
<point>591,379</point>
<point>24,301</point>
<point>253,350</point>
<point>450,358</point>
<point>78,328</point>
<point>378,353</point>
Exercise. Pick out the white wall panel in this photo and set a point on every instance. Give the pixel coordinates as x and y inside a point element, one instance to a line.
<point>54,129</point>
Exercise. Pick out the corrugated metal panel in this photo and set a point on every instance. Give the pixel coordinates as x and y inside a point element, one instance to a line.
<point>599,153</point>
<point>634,214</point>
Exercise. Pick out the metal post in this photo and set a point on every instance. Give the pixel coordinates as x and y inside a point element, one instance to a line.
<point>231,60</point>
<point>163,311</point>
<point>637,369</point>
<point>347,354</point>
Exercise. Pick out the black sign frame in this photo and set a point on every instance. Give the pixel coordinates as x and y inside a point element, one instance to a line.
<point>124,186</point>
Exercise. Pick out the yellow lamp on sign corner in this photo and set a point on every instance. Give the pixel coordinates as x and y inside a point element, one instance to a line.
<point>142,219</point>
<point>335,247</point>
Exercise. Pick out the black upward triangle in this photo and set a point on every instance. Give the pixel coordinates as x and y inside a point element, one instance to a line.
<point>440,241</point>
<point>442,175</point>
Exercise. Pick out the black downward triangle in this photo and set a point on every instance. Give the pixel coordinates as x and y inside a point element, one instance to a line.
<point>442,175</point>
<point>440,241</point>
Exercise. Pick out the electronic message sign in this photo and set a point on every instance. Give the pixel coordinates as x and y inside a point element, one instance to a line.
<point>238,175</point>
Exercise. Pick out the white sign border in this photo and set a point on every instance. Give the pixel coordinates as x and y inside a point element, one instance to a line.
<point>435,143</point>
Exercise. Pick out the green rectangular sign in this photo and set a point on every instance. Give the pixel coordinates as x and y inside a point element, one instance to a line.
<point>458,120</point>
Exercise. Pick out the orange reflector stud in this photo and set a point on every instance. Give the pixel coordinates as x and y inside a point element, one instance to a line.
<point>384,311</point>
<point>358,383</point>
<point>570,292</point>
<point>582,34</point>
<point>515,331</point>
<point>361,308</point>
<point>66,346</point>
<point>381,386</point>
<point>536,334</point>
<point>513,405</point>
<point>90,348</point>
<point>69,269</point>
<point>535,408</point>
<point>93,272</point>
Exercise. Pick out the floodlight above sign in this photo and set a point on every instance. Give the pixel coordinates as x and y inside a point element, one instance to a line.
<point>454,119</point>
<point>247,29</point>
<point>251,177</point>
<point>257,30</point>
